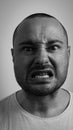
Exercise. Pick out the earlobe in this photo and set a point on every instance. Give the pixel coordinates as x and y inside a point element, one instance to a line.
<point>12,52</point>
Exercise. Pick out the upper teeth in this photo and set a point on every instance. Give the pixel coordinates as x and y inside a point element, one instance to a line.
<point>41,76</point>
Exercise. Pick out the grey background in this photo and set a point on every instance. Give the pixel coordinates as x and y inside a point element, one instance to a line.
<point>11,13</point>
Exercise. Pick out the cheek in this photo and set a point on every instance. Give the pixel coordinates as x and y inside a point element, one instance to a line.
<point>62,64</point>
<point>21,65</point>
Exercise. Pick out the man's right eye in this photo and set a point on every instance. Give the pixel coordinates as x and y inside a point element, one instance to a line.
<point>28,49</point>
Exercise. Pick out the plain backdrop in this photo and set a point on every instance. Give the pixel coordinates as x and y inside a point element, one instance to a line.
<point>12,12</point>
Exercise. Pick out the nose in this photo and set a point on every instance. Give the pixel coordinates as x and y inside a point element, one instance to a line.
<point>42,57</point>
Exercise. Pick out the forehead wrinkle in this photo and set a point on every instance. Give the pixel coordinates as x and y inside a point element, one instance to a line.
<point>41,33</point>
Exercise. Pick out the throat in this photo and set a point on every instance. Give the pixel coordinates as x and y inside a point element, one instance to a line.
<point>44,107</point>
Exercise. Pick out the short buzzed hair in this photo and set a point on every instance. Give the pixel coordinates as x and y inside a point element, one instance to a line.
<point>39,15</point>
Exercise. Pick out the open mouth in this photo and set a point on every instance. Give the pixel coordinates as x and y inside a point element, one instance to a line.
<point>46,74</point>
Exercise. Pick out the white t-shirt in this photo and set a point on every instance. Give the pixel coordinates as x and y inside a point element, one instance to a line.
<point>14,117</point>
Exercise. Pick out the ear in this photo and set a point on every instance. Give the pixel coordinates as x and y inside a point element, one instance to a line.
<point>12,53</point>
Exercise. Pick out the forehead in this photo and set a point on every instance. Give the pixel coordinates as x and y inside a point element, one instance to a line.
<point>40,29</point>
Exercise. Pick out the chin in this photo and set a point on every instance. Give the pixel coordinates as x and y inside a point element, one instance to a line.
<point>40,89</point>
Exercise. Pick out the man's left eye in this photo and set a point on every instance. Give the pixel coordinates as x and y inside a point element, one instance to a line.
<point>53,48</point>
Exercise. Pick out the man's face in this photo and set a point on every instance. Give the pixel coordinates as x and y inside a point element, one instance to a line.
<point>41,56</point>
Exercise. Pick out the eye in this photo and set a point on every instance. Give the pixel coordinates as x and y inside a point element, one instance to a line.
<point>28,49</point>
<point>53,48</point>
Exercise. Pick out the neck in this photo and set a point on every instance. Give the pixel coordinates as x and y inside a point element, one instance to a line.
<point>44,106</point>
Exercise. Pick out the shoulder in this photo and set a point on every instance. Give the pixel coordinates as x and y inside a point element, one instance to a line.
<point>4,105</point>
<point>71,95</point>
<point>70,105</point>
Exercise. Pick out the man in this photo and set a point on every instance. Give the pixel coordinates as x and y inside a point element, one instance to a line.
<point>41,57</point>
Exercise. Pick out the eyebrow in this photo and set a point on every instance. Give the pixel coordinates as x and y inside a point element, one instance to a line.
<point>54,41</point>
<point>29,42</point>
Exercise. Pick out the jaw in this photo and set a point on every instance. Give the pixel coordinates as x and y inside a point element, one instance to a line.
<point>41,88</point>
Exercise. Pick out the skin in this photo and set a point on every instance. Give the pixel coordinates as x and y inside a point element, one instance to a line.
<point>41,42</point>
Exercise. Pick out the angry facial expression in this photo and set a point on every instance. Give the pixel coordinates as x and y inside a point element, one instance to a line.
<point>41,56</point>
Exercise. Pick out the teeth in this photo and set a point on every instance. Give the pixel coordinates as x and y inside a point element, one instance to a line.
<point>41,76</point>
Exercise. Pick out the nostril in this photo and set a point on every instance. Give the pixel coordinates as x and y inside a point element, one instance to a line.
<point>42,61</point>
<point>41,64</point>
